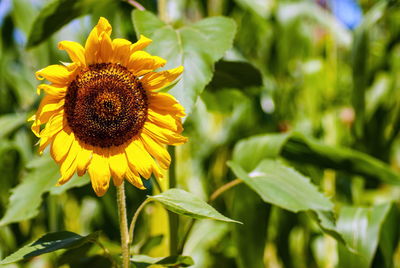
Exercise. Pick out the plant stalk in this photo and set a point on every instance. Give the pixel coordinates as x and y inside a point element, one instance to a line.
<point>172,217</point>
<point>123,225</point>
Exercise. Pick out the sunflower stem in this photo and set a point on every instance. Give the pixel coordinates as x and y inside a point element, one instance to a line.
<point>172,217</point>
<point>123,225</point>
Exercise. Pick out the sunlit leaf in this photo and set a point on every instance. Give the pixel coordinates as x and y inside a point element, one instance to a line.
<point>283,186</point>
<point>185,203</point>
<point>197,47</point>
<point>360,227</point>
<point>48,243</point>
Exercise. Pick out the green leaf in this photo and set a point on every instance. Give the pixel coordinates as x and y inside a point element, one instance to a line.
<point>143,261</point>
<point>50,242</point>
<point>283,186</point>
<point>26,198</point>
<point>389,236</point>
<point>197,47</point>
<point>307,150</point>
<point>360,228</point>
<point>361,48</point>
<point>249,152</point>
<point>54,16</point>
<point>235,74</point>
<point>10,122</point>
<point>185,203</point>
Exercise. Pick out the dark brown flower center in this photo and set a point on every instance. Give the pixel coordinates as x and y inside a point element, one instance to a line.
<point>105,105</point>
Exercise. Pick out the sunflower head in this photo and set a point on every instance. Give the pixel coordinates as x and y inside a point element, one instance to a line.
<point>103,113</point>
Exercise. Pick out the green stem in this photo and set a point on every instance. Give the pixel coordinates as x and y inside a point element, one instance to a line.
<point>223,189</point>
<point>123,225</point>
<point>134,219</point>
<point>172,217</point>
<point>135,4</point>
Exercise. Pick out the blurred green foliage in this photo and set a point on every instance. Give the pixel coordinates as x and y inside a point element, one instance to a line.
<point>305,110</point>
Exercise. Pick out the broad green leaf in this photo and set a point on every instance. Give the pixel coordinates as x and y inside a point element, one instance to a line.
<point>26,198</point>
<point>360,228</point>
<point>185,203</point>
<point>143,261</point>
<point>283,186</point>
<point>55,15</point>
<point>235,74</point>
<point>250,151</point>
<point>10,122</point>
<point>197,47</point>
<point>250,237</point>
<point>307,150</point>
<point>50,242</point>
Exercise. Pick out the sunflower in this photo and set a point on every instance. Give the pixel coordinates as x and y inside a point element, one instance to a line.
<point>103,112</point>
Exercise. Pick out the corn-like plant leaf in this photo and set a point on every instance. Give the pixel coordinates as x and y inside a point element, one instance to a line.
<point>360,227</point>
<point>143,261</point>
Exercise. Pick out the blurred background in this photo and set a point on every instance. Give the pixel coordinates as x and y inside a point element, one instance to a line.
<point>313,85</point>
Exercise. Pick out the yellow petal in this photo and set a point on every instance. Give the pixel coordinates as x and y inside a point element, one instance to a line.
<point>68,166</point>
<point>83,159</point>
<point>158,80</point>
<point>58,74</point>
<point>141,62</point>
<point>92,46</point>
<point>162,135</point>
<point>49,106</point>
<point>138,159</point>
<point>54,125</point>
<point>141,43</point>
<point>166,102</point>
<point>61,144</point>
<point>53,90</point>
<point>134,179</point>
<point>75,51</point>
<point>164,120</point>
<point>121,48</point>
<point>99,172</point>
<point>157,150</point>
<point>44,142</point>
<point>118,165</point>
<point>106,50</point>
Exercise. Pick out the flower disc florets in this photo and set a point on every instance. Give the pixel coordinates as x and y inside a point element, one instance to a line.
<point>106,105</point>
